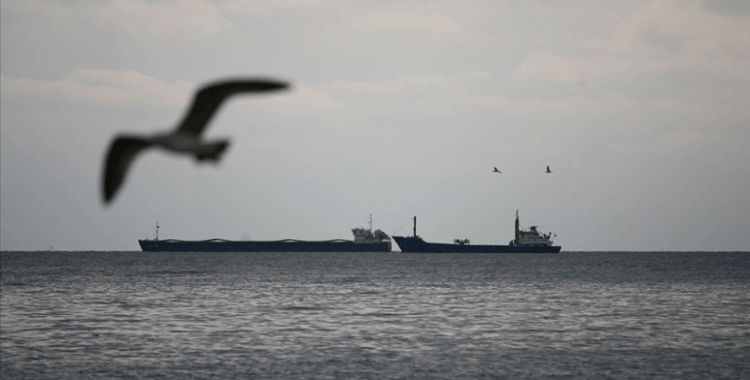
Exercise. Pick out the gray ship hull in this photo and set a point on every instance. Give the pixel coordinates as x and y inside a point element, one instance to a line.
<point>288,245</point>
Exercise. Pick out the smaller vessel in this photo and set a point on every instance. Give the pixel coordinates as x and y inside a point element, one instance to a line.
<point>531,241</point>
<point>365,240</point>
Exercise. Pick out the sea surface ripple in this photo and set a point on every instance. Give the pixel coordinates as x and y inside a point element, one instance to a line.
<point>573,315</point>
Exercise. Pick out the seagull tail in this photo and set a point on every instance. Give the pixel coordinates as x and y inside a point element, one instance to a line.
<point>212,151</point>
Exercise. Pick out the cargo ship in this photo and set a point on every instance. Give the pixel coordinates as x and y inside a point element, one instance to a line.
<point>531,241</point>
<point>365,240</point>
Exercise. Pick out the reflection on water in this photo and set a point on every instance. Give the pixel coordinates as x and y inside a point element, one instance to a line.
<point>374,315</point>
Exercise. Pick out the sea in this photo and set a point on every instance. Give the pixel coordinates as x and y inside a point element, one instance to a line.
<point>572,315</point>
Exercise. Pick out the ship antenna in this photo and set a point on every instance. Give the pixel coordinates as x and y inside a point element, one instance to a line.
<point>518,235</point>
<point>157,230</point>
<point>415,226</point>
<point>370,222</point>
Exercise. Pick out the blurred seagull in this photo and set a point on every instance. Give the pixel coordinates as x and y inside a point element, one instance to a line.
<point>548,171</point>
<point>187,137</point>
<point>494,170</point>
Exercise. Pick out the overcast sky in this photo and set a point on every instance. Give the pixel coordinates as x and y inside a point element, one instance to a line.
<point>398,108</point>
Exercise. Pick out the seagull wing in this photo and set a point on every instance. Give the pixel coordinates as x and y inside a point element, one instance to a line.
<point>209,98</point>
<point>121,154</point>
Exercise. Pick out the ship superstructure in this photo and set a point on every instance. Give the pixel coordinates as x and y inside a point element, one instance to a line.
<point>530,238</point>
<point>366,236</point>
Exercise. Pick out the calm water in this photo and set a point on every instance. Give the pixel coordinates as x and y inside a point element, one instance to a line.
<point>374,316</point>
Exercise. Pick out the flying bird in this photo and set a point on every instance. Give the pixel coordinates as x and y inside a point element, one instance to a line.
<point>494,170</point>
<point>548,171</point>
<point>186,138</point>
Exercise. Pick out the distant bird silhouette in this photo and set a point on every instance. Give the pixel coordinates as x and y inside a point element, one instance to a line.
<point>95,334</point>
<point>494,170</point>
<point>548,171</point>
<point>187,137</point>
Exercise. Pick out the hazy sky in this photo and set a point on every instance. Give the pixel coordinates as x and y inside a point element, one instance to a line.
<point>399,108</point>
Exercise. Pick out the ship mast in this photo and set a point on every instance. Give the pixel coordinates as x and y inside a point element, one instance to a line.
<point>518,234</point>
<point>370,222</point>
<point>157,230</point>
<point>415,226</point>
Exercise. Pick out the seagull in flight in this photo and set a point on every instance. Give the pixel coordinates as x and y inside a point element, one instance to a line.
<point>494,170</point>
<point>548,171</point>
<point>186,139</point>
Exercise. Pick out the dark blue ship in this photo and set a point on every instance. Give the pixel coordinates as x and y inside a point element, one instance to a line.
<point>364,241</point>
<point>530,241</point>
